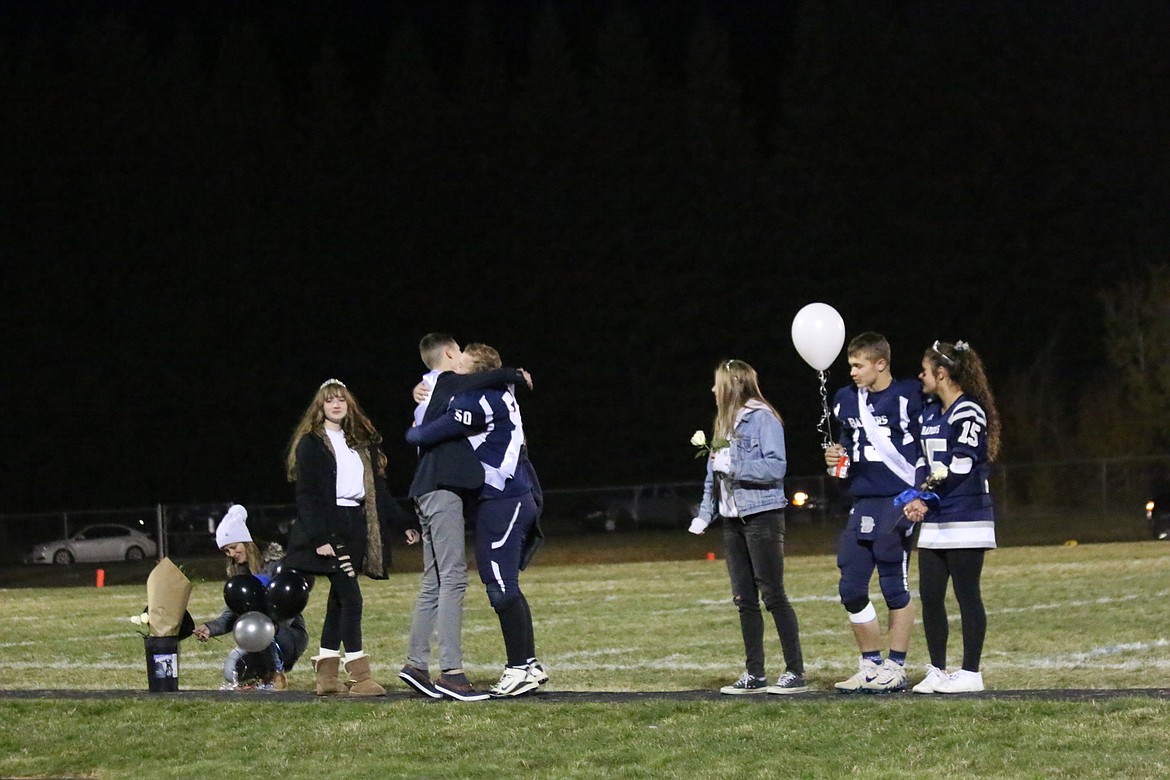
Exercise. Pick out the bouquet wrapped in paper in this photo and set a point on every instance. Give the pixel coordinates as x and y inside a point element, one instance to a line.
<point>167,593</point>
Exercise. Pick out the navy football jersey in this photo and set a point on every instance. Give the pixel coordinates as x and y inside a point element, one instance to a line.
<point>958,441</point>
<point>887,467</point>
<point>496,434</point>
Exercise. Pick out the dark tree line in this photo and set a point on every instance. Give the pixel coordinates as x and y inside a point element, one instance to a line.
<point>201,215</point>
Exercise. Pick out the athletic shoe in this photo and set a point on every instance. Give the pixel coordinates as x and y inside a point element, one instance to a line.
<point>891,678</point>
<point>934,676</point>
<point>419,680</point>
<point>458,687</point>
<point>746,684</point>
<point>789,682</point>
<point>961,681</point>
<point>536,669</point>
<point>515,681</point>
<point>866,671</point>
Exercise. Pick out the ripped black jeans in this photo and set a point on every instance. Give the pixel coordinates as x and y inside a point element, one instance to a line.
<point>754,547</point>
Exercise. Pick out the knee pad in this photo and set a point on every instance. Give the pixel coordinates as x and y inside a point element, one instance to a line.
<point>499,598</point>
<point>898,600</point>
<point>861,612</point>
<point>894,589</point>
<point>854,594</point>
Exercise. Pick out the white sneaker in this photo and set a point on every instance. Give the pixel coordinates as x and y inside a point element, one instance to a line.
<point>866,671</point>
<point>514,682</point>
<point>961,681</point>
<point>891,678</point>
<point>934,676</point>
<point>536,669</point>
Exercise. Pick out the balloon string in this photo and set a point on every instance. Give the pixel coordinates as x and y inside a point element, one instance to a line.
<point>825,424</point>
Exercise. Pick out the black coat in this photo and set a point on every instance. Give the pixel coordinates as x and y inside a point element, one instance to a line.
<point>319,518</point>
<point>452,464</point>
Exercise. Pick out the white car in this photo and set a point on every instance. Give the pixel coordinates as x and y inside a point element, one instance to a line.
<point>96,543</point>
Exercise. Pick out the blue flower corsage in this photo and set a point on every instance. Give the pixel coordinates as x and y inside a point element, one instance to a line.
<point>928,497</point>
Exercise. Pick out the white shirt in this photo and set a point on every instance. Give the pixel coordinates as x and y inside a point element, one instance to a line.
<point>428,379</point>
<point>351,476</point>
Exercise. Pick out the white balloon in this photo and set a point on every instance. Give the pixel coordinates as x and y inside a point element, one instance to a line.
<point>818,333</point>
<point>254,631</point>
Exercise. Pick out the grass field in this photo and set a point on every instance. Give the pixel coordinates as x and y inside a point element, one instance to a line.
<point>1060,617</point>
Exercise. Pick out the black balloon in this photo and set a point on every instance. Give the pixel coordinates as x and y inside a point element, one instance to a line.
<point>288,593</point>
<point>244,593</point>
<point>188,626</point>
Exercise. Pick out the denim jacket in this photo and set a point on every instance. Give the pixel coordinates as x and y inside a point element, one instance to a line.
<point>758,465</point>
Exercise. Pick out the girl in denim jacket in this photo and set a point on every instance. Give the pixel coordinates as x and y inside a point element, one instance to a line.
<point>745,487</point>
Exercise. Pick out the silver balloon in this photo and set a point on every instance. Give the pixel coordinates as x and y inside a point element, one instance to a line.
<point>254,631</point>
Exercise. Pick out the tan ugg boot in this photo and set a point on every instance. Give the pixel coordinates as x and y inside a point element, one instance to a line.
<point>328,683</point>
<point>359,673</point>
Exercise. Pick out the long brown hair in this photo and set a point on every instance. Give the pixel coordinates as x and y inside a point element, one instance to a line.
<point>254,565</point>
<point>359,432</point>
<point>736,383</point>
<point>965,368</point>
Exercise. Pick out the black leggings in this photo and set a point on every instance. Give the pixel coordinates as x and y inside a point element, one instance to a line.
<point>964,569</point>
<point>343,613</point>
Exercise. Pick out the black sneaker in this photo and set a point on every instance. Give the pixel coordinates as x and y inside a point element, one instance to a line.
<point>419,680</point>
<point>746,683</point>
<point>789,682</point>
<point>457,686</point>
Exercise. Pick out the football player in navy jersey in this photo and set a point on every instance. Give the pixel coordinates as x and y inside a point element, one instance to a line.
<point>507,509</point>
<point>878,442</point>
<point>959,438</point>
<point>448,473</point>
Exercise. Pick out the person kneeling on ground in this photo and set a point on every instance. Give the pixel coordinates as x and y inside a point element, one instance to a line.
<point>245,557</point>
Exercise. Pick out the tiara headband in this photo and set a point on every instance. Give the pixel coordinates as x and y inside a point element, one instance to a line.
<point>959,346</point>
<point>949,360</point>
<point>328,382</point>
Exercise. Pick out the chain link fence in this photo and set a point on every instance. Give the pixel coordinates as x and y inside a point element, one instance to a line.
<point>1037,503</point>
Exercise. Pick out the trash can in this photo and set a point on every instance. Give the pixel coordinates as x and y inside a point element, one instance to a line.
<point>162,663</point>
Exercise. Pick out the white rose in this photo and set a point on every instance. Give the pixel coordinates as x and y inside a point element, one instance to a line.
<point>699,439</point>
<point>136,620</point>
<point>939,472</point>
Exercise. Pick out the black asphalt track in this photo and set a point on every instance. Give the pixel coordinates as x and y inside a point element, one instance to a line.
<point>600,697</point>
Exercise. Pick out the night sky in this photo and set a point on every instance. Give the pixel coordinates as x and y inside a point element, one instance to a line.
<point>205,214</point>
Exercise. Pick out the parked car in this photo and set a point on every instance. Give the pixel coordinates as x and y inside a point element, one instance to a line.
<point>104,542</point>
<point>1158,516</point>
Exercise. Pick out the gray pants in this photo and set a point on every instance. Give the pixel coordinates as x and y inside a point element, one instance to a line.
<point>444,581</point>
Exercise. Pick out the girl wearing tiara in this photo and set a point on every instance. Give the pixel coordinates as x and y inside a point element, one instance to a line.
<point>959,439</point>
<point>342,507</point>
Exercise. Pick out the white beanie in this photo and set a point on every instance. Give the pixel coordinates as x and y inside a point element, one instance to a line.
<point>232,528</point>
